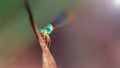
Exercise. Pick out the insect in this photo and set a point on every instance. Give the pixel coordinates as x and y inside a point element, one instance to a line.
<point>58,22</point>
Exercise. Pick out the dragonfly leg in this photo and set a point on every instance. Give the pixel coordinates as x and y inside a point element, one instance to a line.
<point>48,40</point>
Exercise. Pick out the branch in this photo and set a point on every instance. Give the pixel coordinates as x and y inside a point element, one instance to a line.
<point>47,58</point>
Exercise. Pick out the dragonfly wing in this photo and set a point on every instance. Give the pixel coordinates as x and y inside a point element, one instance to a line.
<point>59,19</point>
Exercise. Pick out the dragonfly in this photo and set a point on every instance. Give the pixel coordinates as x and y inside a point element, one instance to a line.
<point>63,19</point>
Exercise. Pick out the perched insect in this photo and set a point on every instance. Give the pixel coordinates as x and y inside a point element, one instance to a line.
<point>47,30</point>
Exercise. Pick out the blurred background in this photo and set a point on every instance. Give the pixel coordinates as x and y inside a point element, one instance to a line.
<point>91,41</point>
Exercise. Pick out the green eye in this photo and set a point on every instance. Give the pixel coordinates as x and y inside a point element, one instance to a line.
<point>48,30</point>
<point>41,30</point>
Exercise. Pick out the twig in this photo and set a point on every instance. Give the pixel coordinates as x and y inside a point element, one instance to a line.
<point>47,58</point>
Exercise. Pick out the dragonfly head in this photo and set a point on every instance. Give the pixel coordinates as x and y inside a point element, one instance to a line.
<point>49,28</point>
<point>46,30</point>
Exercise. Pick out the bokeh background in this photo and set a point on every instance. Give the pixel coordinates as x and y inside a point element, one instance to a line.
<point>91,41</point>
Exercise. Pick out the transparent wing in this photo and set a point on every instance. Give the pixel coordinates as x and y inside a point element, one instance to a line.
<point>60,19</point>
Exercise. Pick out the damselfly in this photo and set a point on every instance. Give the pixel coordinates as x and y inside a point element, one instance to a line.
<point>63,19</point>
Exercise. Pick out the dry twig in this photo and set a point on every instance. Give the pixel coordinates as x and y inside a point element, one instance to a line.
<point>47,58</point>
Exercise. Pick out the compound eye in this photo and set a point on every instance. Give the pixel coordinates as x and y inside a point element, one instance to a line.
<point>48,30</point>
<point>41,30</point>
